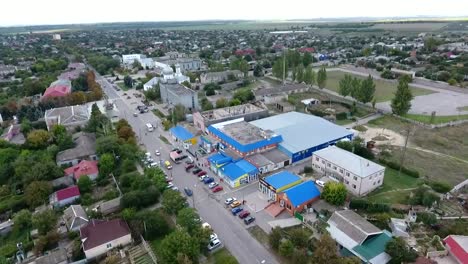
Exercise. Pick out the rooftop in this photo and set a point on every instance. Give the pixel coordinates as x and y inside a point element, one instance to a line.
<point>302,131</point>
<point>99,232</point>
<point>66,193</point>
<point>178,89</point>
<point>349,161</point>
<point>280,179</point>
<point>230,112</point>
<point>243,132</point>
<point>353,225</point>
<point>302,193</point>
<point>280,89</point>
<point>85,145</point>
<point>374,246</point>
<point>235,170</point>
<point>85,167</point>
<point>181,133</point>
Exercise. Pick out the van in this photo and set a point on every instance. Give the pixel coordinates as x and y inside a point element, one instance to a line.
<point>149,127</point>
<point>168,165</point>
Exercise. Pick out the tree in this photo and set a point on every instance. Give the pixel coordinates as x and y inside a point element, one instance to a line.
<point>346,85</point>
<point>178,242</point>
<point>399,251</point>
<point>85,184</point>
<point>106,164</point>
<point>355,88</point>
<point>275,237</point>
<point>307,59</point>
<point>188,218</point>
<point>178,113</point>
<point>153,93</point>
<point>322,78</point>
<point>44,221</point>
<point>22,219</point>
<point>299,237</point>
<point>173,201</point>
<point>300,73</point>
<point>37,192</point>
<point>401,102</point>
<point>325,250</point>
<point>239,64</point>
<point>367,90</point>
<point>258,70</point>
<point>278,67</point>
<point>154,225</point>
<point>235,102</point>
<point>221,102</point>
<point>334,193</point>
<point>309,75</point>
<point>128,81</point>
<point>140,198</point>
<point>61,137</point>
<point>38,138</point>
<point>286,248</point>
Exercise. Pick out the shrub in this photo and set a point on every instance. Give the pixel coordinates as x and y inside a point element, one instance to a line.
<point>427,218</point>
<point>341,116</point>
<point>369,206</point>
<point>440,187</point>
<point>395,166</point>
<point>308,169</point>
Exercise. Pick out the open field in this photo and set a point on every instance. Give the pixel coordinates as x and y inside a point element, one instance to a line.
<point>437,119</point>
<point>395,189</point>
<point>384,90</point>
<point>396,197</point>
<point>431,26</point>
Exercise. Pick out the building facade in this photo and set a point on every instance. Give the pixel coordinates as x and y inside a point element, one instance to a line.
<point>173,93</point>
<point>360,176</point>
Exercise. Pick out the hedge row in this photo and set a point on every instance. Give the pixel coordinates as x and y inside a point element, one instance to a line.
<point>395,166</point>
<point>369,206</point>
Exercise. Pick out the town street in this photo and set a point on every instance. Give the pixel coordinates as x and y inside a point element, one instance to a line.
<point>230,229</point>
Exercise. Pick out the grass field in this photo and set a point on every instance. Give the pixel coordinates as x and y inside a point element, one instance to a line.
<point>396,197</point>
<point>437,119</point>
<point>122,86</point>
<point>384,90</point>
<point>221,256</point>
<point>408,27</point>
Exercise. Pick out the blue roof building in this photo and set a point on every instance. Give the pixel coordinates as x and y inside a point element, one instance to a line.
<point>303,134</point>
<point>244,138</point>
<point>238,173</point>
<point>180,133</point>
<point>299,197</point>
<point>278,182</point>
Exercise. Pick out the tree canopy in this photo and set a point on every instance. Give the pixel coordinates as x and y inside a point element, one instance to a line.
<point>401,102</point>
<point>334,193</point>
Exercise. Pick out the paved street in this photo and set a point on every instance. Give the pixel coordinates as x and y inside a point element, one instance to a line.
<point>230,229</point>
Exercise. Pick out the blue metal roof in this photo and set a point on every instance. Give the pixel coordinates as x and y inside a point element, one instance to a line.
<point>181,133</point>
<point>247,147</point>
<point>219,158</point>
<point>302,193</point>
<point>234,170</point>
<point>280,179</point>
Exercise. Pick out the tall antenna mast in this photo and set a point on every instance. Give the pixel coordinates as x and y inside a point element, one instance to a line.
<point>284,65</point>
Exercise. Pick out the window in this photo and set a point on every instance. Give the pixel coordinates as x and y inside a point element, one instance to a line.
<point>354,186</point>
<point>373,183</point>
<point>334,167</point>
<point>341,170</point>
<point>328,165</point>
<point>317,159</point>
<point>323,161</point>
<point>378,181</point>
<point>346,181</point>
<point>355,178</point>
<point>370,177</point>
<point>347,174</point>
<point>109,245</point>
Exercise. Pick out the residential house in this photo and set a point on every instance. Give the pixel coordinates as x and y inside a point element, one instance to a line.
<point>357,236</point>
<point>85,149</point>
<point>224,76</point>
<point>59,88</point>
<point>85,167</point>
<point>399,227</point>
<point>101,236</point>
<point>65,196</point>
<point>13,134</point>
<point>285,107</point>
<point>75,217</point>
<point>109,207</point>
<point>457,246</point>
<point>360,176</point>
<point>68,116</point>
<point>7,69</point>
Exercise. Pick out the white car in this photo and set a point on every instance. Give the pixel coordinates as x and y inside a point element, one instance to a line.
<point>230,200</point>
<point>212,185</point>
<point>214,244</point>
<point>213,236</point>
<point>201,178</point>
<point>157,153</point>
<point>320,183</point>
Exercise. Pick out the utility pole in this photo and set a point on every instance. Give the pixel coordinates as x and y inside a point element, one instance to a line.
<point>284,66</point>
<point>408,132</point>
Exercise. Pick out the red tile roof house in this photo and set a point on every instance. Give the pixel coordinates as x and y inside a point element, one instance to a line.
<point>65,196</point>
<point>59,88</point>
<point>457,247</point>
<point>101,236</point>
<point>85,167</point>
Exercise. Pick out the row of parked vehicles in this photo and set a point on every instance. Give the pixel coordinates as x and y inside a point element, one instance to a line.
<point>236,209</point>
<point>203,177</point>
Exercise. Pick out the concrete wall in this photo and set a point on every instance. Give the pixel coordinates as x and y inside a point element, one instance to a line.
<point>102,249</point>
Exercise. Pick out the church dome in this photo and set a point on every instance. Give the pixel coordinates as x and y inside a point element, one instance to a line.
<point>168,71</point>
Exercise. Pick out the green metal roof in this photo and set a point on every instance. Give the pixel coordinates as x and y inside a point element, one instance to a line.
<point>374,246</point>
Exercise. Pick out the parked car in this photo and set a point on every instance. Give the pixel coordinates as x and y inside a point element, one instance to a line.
<point>157,152</point>
<point>235,204</point>
<point>202,178</point>
<point>212,185</point>
<point>183,157</point>
<point>135,114</point>
<point>320,183</point>
<point>201,173</point>
<point>214,244</point>
<point>189,166</point>
<point>189,161</point>
<point>170,185</point>
<point>196,170</point>
<point>188,192</point>
<point>230,200</point>
<point>236,210</point>
<point>244,214</point>
<point>249,219</point>
<point>208,180</point>
<point>213,236</point>
<point>217,189</point>
<point>175,188</point>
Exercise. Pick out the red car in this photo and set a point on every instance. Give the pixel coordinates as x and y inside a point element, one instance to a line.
<point>189,166</point>
<point>217,189</point>
<point>201,173</point>
<point>244,214</point>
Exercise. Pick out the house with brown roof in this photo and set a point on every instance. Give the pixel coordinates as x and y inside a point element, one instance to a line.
<point>85,149</point>
<point>101,236</point>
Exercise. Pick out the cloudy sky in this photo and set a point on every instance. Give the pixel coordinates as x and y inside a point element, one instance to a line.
<point>37,12</point>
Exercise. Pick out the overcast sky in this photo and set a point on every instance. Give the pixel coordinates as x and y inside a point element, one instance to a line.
<point>39,12</point>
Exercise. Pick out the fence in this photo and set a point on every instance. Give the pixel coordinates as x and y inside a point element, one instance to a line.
<point>459,186</point>
<point>432,126</point>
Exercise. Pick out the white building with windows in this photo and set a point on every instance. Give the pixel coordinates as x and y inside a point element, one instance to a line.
<point>361,176</point>
<point>130,58</point>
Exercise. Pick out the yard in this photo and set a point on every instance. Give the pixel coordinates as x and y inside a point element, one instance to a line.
<point>384,90</point>
<point>221,256</point>
<point>122,86</point>
<point>437,119</point>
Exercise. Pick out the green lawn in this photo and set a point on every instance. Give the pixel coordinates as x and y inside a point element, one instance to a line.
<point>437,119</point>
<point>222,256</point>
<point>384,90</point>
<point>397,197</point>
<point>122,86</point>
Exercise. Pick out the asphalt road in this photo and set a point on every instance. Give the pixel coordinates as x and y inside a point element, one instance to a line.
<point>230,229</point>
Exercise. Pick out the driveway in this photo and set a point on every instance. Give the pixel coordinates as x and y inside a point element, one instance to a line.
<point>231,230</point>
